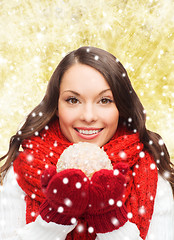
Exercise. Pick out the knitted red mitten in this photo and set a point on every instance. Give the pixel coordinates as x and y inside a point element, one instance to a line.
<point>106,211</point>
<point>67,195</point>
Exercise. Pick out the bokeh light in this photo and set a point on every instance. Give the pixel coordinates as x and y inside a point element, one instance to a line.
<point>36,34</point>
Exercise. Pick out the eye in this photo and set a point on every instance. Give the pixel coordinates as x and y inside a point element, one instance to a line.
<point>105,101</point>
<point>72,100</point>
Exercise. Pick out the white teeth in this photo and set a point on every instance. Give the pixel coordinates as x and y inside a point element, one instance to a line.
<point>88,132</point>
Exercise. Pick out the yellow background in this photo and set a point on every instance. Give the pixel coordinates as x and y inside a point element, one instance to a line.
<point>36,34</point>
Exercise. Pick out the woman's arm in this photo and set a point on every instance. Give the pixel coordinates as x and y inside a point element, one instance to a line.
<point>12,216</point>
<point>162,223</point>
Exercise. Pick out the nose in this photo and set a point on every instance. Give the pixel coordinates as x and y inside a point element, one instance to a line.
<point>89,113</point>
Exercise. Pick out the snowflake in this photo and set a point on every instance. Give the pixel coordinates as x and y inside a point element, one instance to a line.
<point>122,154</point>
<point>90,229</point>
<point>78,185</point>
<point>151,198</point>
<point>51,154</point>
<point>166,174</point>
<point>80,228</point>
<point>162,153</point>
<point>33,214</point>
<point>29,157</point>
<point>46,165</point>
<point>54,190</point>
<point>142,210</point>
<point>137,166</point>
<point>116,172</point>
<point>19,132</point>
<point>152,166</point>
<point>142,154</point>
<point>73,220</point>
<point>114,221</point>
<point>68,202</point>
<point>129,215</point>
<point>119,203</point>
<point>60,209</point>
<point>85,179</point>
<point>96,57</point>
<point>111,201</point>
<point>33,196</point>
<point>33,114</point>
<point>161,142</point>
<point>65,180</point>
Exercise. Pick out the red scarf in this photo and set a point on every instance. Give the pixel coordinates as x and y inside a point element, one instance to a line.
<point>46,148</point>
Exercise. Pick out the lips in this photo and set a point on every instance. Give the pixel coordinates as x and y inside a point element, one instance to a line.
<point>88,133</point>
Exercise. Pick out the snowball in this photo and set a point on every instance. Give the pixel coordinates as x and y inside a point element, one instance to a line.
<point>85,156</point>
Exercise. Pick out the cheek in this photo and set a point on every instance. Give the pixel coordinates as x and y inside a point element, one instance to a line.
<point>111,118</point>
<point>66,116</point>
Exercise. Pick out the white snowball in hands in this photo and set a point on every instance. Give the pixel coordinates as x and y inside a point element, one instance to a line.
<point>85,156</point>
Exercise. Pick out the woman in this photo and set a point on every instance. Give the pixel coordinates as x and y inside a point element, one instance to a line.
<point>89,99</point>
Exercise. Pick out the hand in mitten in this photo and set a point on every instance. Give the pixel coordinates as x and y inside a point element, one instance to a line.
<point>106,211</point>
<point>67,195</point>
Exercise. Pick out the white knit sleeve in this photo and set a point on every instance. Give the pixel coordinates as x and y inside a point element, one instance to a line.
<point>12,216</point>
<point>162,222</point>
<point>128,231</point>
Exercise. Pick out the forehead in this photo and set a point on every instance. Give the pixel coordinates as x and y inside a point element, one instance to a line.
<point>83,76</point>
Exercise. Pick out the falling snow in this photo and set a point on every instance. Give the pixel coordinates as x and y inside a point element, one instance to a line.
<point>78,185</point>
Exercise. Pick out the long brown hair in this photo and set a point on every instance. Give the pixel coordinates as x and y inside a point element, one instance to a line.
<point>130,108</point>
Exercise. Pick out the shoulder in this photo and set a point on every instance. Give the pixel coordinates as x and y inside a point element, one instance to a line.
<point>10,185</point>
<point>164,201</point>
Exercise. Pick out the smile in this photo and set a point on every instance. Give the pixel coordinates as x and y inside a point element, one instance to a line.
<point>88,134</point>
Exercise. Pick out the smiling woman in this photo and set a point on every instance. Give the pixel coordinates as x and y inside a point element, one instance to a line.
<point>90,99</point>
<point>86,112</point>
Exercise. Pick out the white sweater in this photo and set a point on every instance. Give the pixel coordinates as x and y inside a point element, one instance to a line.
<point>14,227</point>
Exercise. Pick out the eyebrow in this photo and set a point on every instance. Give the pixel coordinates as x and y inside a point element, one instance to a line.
<point>76,93</point>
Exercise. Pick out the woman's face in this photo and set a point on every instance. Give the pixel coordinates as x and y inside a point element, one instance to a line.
<point>86,107</point>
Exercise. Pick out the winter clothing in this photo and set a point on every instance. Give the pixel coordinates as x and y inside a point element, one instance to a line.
<point>44,150</point>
